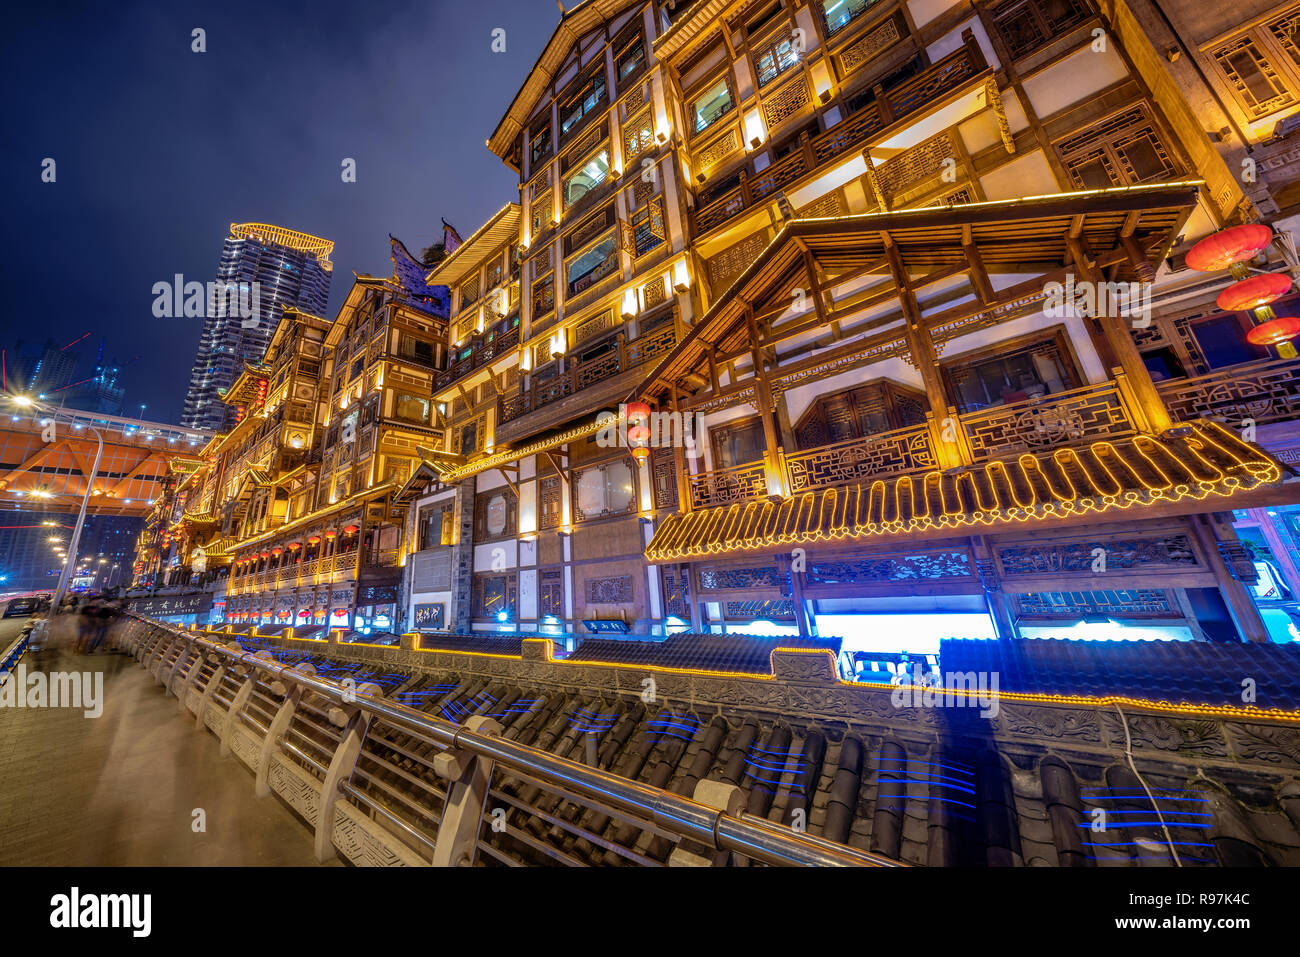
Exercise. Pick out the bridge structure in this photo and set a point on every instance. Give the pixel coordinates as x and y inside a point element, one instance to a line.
<point>494,751</point>
<point>46,460</point>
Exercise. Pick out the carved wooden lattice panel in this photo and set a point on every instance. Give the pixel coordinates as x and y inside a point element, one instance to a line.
<point>715,578</point>
<point>1046,423</point>
<point>768,609</point>
<point>609,591</point>
<point>716,152</point>
<point>786,102</point>
<point>1172,551</point>
<point>730,263</point>
<point>927,566</point>
<point>921,162</point>
<point>654,293</point>
<point>1116,603</point>
<point>549,504</point>
<point>724,486</point>
<point>588,329</point>
<point>677,592</point>
<point>663,475</point>
<point>891,453</point>
<point>1269,392</point>
<point>872,43</point>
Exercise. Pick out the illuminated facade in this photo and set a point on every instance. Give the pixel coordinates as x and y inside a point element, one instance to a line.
<point>721,216</point>
<point>291,270</point>
<point>289,515</point>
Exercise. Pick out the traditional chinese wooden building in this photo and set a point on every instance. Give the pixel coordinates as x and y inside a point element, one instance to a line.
<point>822,237</point>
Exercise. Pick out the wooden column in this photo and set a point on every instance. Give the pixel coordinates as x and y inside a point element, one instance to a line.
<point>1150,405</point>
<point>991,582</point>
<point>947,454</point>
<point>1235,593</point>
<point>763,402</point>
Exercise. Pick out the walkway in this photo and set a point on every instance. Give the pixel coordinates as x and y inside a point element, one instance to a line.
<point>121,789</point>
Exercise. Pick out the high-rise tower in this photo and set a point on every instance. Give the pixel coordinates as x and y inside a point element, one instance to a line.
<point>263,269</point>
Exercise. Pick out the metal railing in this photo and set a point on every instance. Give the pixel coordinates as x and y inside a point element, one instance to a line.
<point>473,759</point>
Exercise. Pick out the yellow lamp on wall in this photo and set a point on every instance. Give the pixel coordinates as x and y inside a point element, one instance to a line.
<point>630,308</point>
<point>755,132</point>
<point>681,276</point>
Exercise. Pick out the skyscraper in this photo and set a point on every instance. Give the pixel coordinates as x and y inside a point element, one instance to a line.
<point>263,269</point>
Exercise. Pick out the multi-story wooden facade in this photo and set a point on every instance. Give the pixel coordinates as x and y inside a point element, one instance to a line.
<point>822,234</point>
<point>290,515</point>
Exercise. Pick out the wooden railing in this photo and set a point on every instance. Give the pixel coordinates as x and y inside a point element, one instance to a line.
<point>739,483</point>
<point>887,453</point>
<point>1262,392</point>
<point>851,134</point>
<point>481,354</point>
<point>580,375</point>
<point>1031,425</point>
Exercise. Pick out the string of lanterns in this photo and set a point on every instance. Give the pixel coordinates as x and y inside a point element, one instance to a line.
<point>1231,249</point>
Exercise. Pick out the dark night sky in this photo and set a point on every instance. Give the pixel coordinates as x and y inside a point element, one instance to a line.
<point>159,149</point>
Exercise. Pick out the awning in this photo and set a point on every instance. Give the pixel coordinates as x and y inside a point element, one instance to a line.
<point>1195,461</point>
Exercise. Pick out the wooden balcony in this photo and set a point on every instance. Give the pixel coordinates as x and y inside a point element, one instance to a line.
<point>1033,425</point>
<point>482,353</point>
<point>1066,419</point>
<point>606,370</point>
<point>739,483</point>
<point>1263,392</point>
<point>852,134</point>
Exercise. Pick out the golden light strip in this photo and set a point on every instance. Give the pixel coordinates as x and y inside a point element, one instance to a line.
<point>702,533</point>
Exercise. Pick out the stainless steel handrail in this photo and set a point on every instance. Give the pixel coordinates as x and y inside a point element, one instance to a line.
<point>755,837</point>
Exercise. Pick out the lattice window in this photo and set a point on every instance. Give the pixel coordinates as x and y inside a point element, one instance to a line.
<point>550,506</point>
<point>543,296</point>
<point>494,595</point>
<point>1262,66</point>
<point>677,592</point>
<point>552,593</point>
<point>1123,150</point>
<point>603,490</point>
<point>495,515</point>
<point>638,136</point>
<point>663,473</point>
<point>648,227</point>
<point>1012,374</point>
<point>1026,25</point>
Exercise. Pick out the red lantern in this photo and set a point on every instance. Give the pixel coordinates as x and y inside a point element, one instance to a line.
<point>314,540</point>
<point>266,555</point>
<point>331,533</point>
<point>350,529</point>
<point>1229,246</point>
<point>1254,292</point>
<point>1275,331</point>
<point>277,551</point>
<point>294,546</point>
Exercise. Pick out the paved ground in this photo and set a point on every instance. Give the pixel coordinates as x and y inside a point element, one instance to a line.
<point>121,789</point>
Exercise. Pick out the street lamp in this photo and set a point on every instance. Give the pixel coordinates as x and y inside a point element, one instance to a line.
<point>26,402</point>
